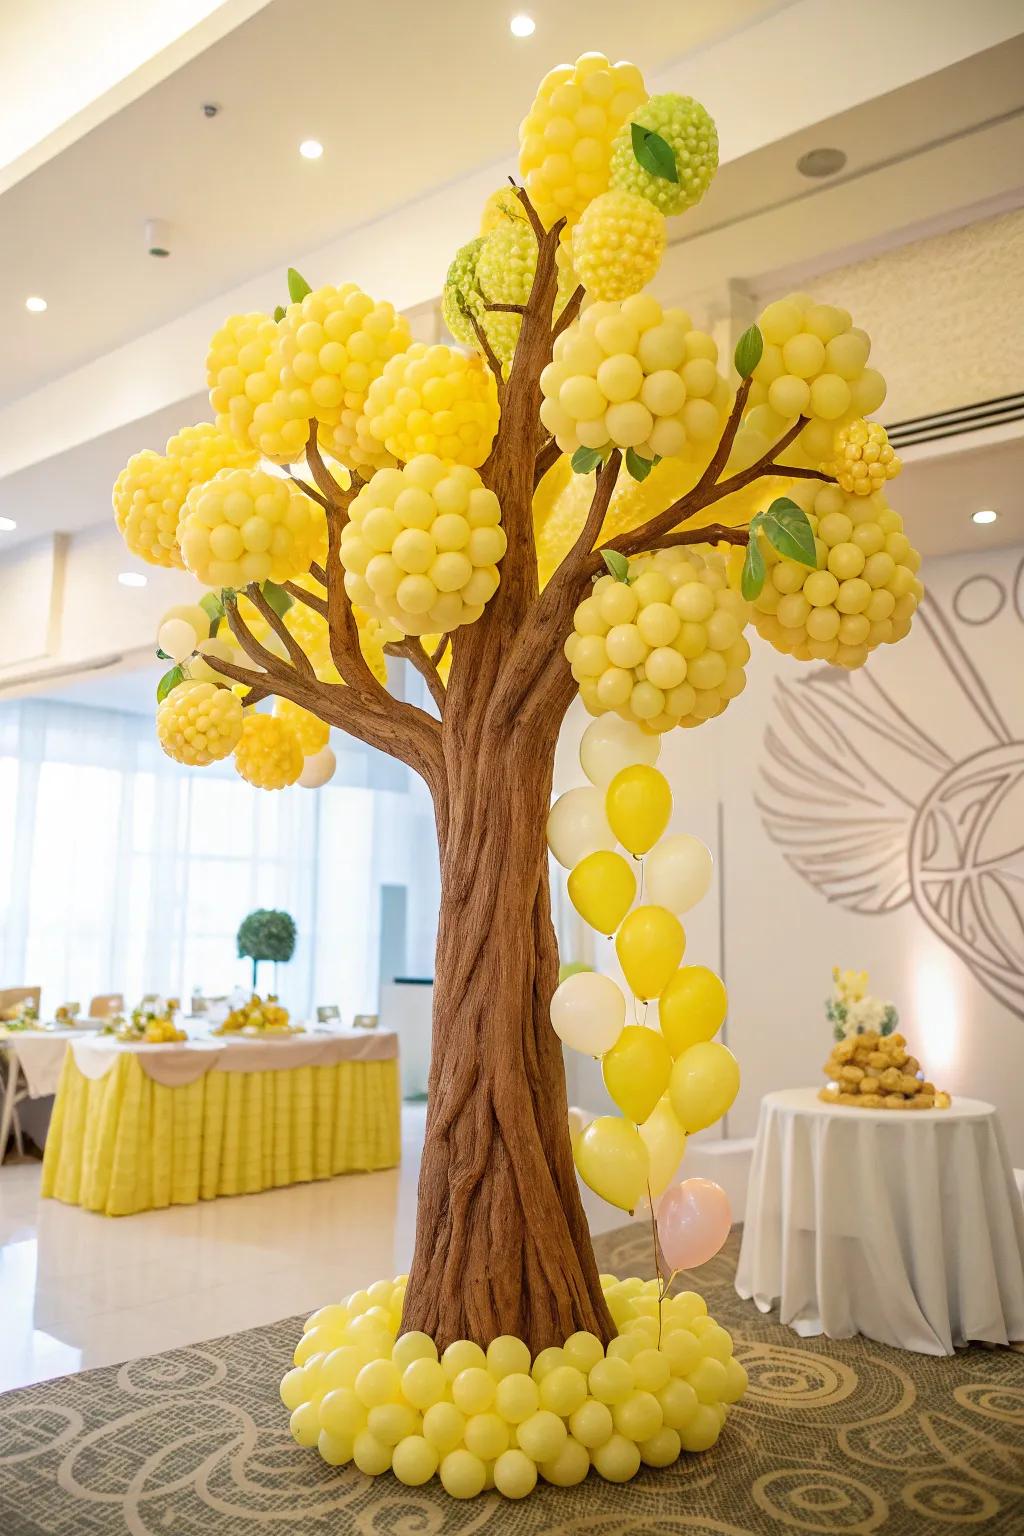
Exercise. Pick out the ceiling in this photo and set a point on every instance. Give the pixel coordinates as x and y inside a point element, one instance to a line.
<point>395,121</point>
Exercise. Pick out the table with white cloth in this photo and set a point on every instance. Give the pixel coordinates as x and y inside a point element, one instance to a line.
<point>902,1225</point>
<point>33,1062</point>
<point>139,1127</point>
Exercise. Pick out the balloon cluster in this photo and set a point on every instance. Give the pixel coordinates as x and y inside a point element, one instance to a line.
<point>501,1418</point>
<point>670,1080</point>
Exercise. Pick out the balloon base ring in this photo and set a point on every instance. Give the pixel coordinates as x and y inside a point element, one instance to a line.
<point>503,1419</point>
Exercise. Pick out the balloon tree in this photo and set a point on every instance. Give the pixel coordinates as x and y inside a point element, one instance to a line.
<point>575,495</point>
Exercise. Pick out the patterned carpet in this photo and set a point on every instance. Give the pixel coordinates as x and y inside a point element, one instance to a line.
<point>832,1437</point>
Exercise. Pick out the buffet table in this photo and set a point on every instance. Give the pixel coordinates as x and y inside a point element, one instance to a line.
<point>904,1226</point>
<point>138,1127</point>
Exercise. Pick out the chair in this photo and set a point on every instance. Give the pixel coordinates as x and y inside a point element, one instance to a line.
<point>13,1092</point>
<point>10,997</point>
<point>106,1005</point>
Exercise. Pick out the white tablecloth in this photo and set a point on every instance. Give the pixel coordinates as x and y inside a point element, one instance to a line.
<point>183,1061</point>
<point>41,1056</point>
<point>905,1226</point>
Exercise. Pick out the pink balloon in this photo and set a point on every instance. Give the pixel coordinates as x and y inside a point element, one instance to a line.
<point>693,1222</point>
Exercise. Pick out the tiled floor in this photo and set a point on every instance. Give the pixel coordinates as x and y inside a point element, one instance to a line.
<point>80,1290</point>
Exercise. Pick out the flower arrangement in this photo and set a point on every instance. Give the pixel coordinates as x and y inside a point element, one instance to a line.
<point>151,1023</point>
<point>851,1011</point>
<point>257,1017</point>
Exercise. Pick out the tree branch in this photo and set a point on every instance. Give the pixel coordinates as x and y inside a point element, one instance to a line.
<point>506,309</point>
<point>569,313</point>
<point>318,604</point>
<point>706,492</point>
<point>318,574</point>
<point>438,652</point>
<point>486,348</point>
<point>308,490</point>
<point>531,212</point>
<point>707,533</point>
<point>297,656</point>
<point>247,640</point>
<point>587,537</point>
<point>547,458</point>
<point>335,497</point>
<point>412,650</point>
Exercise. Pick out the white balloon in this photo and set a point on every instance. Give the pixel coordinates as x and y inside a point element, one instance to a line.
<point>588,1012</point>
<point>578,825</point>
<point>579,1119</point>
<point>677,872</point>
<point>317,768</point>
<point>610,743</point>
<point>177,639</point>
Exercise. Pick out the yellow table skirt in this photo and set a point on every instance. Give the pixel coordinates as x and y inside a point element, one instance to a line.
<point>123,1143</point>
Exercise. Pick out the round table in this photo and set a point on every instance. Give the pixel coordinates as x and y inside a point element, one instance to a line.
<point>905,1226</point>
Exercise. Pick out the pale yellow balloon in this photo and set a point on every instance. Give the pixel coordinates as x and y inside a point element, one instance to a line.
<point>610,744</point>
<point>692,1007</point>
<point>579,1119</point>
<point>665,1140</point>
<point>705,1080</point>
<point>588,1011</point>
<point>578,825</point>
<point>650,945</point>
<point>602,888</point>
<point>613,1161</point>
<point>636,1071</point>
<point>677,872</point>
<point>638,805</point>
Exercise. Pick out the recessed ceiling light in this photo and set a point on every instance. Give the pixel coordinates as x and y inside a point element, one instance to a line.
<point>986,516</point>
<point>35,304</point>
<point>522,26</point>
<point>132,579</point>
<point>311,149</point>
<point>7,525</point>
<point>821,162</point>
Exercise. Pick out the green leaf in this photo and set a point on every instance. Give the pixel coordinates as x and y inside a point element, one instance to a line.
<point>617,564</point>
<point>212,606</point>
<point>748,351</point>
<point>162,655</point>
<point>585,460</point>
<point>752,579</point>
<point>653,153</point>
<point>279,313</point>
<point>277,597</point>
<point>786,528</point>
<point>169,680</point>
<point>297,286</point>
<point>639,468</point>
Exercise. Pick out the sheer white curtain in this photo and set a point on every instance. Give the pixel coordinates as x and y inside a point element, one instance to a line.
<point>121,871</point>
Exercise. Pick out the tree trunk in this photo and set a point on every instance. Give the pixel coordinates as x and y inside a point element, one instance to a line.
<point>502,1244</point>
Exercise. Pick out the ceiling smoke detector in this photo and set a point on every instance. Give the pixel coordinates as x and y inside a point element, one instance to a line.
<point>821,162</point>
<point>210,108</point>
<point>158,237</point>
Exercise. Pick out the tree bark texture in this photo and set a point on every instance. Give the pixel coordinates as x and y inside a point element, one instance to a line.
<point>502,1244</point>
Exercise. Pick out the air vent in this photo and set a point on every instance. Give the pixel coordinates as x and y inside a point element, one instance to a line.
<point>966,418</point>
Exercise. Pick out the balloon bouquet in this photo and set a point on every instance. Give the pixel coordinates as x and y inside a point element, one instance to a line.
<point>672,1079</point>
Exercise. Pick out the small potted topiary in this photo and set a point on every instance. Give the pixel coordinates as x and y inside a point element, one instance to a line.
<point>266,935</point>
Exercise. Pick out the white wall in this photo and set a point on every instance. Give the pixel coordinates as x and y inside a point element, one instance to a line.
<point>919,781</point>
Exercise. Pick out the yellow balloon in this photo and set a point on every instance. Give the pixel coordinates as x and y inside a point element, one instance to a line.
<point>704,1082</point>
<point>613,1161</point>
<point>665,1141</point>
<point>638,806</point>
<point>691,1008</point>
<point>636,1071</point>
<point>650,945</point>
<point>601,888</point>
